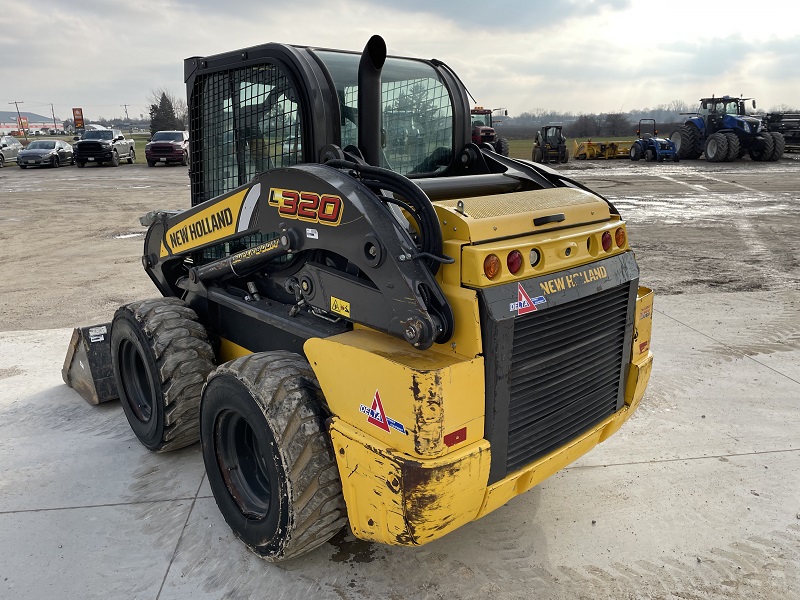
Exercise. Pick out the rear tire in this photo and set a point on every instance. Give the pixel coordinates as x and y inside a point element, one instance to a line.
<point>161,358</point>
<point>687,141</point>
<point>270,465</point>
<point>716,149</point>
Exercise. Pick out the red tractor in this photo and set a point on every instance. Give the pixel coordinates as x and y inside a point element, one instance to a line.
<point>483,130</point>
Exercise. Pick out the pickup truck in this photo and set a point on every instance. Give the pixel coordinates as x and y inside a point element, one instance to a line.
<point>104,145</point>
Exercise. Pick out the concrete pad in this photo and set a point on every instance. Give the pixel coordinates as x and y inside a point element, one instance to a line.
<point>696,497</point>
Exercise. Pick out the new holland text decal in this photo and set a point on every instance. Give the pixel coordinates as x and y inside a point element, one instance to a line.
<point>325,209</point>
<point>377,416</point>
<point>222,219</point>
<point>565,282</point>
<point>525,304</point>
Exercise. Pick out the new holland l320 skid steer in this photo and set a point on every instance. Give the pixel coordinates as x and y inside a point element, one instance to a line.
<point>365,316</point>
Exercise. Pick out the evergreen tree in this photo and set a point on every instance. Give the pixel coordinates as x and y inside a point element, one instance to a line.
<point>162,116</point>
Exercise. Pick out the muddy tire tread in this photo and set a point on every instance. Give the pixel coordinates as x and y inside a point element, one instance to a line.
<point>282,381</point>
<point>184,359</point>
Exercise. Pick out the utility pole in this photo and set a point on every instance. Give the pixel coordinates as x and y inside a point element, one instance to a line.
<point>53,112</point>
<point>127,118</point>
<point>19,118</point>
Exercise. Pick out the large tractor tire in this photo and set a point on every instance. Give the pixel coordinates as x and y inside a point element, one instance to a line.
<point>687,142</point>
<point>501,146</point>
<point>269,461</point>
<point>716,148</point>
<point>763,147</point>
<point>733,146</point>
<point>779,145</point>
<point>161,358</point>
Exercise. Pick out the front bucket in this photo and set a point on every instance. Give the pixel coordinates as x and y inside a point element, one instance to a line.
<point>87,368</point>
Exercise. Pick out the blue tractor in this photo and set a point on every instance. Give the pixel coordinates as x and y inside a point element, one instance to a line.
<point>651,147</point>
<point>724,131</point>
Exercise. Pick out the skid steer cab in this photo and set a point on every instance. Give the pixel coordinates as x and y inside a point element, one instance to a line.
<point>361,326</point>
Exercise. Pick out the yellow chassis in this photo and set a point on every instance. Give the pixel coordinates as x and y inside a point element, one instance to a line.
<point>407,487</point>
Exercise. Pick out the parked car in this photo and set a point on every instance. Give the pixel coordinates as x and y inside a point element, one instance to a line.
<point>168,147</point>
<point>9,149</point>
<point>40,153</point>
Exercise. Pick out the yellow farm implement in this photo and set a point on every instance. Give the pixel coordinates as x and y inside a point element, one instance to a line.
<point>591,150</point>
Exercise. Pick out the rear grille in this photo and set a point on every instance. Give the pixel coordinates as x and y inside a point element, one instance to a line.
<point>565,373</point>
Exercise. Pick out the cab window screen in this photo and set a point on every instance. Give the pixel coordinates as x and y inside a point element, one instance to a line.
<point>244,121</point>
<point>416,112</point>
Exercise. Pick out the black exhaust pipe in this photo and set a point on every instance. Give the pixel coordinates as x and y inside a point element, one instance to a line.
<point>369,100</point>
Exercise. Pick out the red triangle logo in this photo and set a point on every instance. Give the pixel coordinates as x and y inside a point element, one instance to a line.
<point>378,416</point>
<point>524,303</point>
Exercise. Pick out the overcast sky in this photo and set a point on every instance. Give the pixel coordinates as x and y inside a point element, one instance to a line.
<point>566,55</point>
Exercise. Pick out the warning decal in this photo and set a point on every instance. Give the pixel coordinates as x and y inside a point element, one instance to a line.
<point>340,307</point>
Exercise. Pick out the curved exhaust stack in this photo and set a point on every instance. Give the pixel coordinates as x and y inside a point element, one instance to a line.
<point>369,99</point>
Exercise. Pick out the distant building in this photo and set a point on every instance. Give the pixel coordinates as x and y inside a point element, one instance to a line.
<point>8,122</point>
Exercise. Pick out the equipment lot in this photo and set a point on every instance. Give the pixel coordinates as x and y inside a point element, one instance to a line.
<point>696,497</point>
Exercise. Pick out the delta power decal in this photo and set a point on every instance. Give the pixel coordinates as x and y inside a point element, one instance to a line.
<point>377,416</point>
<point>525,304</point>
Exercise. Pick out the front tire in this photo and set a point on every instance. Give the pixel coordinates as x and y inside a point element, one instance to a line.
<point>132,157</point>
<point>56,162</point>
<point>538,155</point>
<point>161,358</point>
<point>779,145</point>
<point>80,164</point>
<point>114,159</point>
<point>269,462</point>
<point>2,161</point>
<point>733,147</point>
<point>185,159</point>
<point>763,148</point>
<point>636,152</point>
<point>501,146</point>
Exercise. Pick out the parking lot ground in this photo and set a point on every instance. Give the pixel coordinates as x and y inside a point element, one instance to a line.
<point>696,497</point>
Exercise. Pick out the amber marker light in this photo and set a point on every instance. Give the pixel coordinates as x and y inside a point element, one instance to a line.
<point>606,241</point>
<point>619,237</point>
<point>491,266</point>
<point>514,261</point>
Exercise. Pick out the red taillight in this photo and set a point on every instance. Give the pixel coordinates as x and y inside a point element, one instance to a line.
<point>619,237</point>
<point>491,266</point>
<point>514,261</point>
<point>606,241</point>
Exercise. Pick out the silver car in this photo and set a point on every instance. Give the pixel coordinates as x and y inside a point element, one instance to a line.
<point>9,149</point>
<point>39,153</point>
